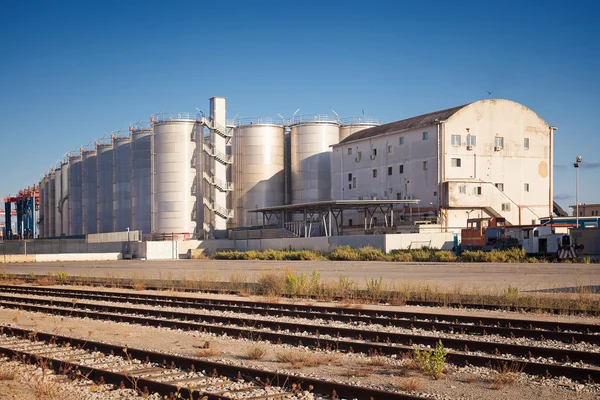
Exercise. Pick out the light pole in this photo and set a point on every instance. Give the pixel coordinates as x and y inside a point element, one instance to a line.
<point>576,165</point>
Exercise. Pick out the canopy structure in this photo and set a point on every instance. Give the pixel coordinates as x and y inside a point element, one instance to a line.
<point>329,213</point>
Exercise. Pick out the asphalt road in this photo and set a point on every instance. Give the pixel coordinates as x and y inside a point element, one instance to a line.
<point>483,276</point>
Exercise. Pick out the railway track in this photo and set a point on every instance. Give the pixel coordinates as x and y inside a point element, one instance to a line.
<point>488,303</point>
<point>535,360</point>
<point>506,327</point>
<point>171,376</point>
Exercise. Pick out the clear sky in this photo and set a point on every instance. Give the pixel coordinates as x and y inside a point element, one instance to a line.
<point>72,72</point>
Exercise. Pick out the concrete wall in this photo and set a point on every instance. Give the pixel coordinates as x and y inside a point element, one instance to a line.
<point>18,258</point>
<point>384,242</point>
<point>58,246</point>
<point>131,236</point>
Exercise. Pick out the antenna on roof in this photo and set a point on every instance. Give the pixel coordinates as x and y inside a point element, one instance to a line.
<point>336,114</point>
<point>295,112</point>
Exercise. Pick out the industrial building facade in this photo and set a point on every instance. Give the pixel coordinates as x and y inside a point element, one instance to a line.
<point>197,176</point>
<point>487,158</point>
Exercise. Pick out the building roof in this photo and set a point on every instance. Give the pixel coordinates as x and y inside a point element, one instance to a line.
<point>405,124</point>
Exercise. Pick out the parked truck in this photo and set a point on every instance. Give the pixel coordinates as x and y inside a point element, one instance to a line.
<point>489,234</point>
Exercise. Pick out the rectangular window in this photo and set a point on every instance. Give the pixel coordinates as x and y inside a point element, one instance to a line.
<point>425,135</point>
<point>389,148</point>
<point>526,234</point>
<point>425,165</point>
<point>353,182</point>
<point>462,189</point>
<point>402,169</point>
<point>455,139</point>
<point>499,142</point>
<point>456,162</point>
<point>434,194</point>
<point>390,170</point>
<point>526,143</point>
<point>358,156</point>
<point>349,150</point>
<point>526,187</point>
<point>373,153</point>
<point>374,173</point>
<point>399,196</point>
<point>477,190</point>
<point>349,177</point>
<point>505,206</point>
<point>401,140</point>
<point>500,186</point>
<point>471,140</point>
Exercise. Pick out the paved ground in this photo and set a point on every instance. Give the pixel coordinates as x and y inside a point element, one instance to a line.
<point>483,276</point>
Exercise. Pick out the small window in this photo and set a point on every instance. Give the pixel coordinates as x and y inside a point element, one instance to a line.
<point>358,156</point>
<point>526,143</point>
<point>471,140</point>
<point>455,139</point>
<point>526,233</point>
<point>500,186</point>
<point>456,162</point>
<point>536,233</point>
<point>373,153</point>
<point>505,206</point>
<point>499,142</point>
<point>399,196</point>
<point>353,182</point>
<point>389,149</point>
<point>349,177</point>
<point>425,165</point>
<point>390,170</point>
<point>349,151</point>
<point>462,189</point>
<point>350,222</point>
<point>401,140</point>
<point>425,135</point>
<point>374,173</point>
<point>434,194</point>
<point>477,190</point>
<point>402,169</point>
<point>526,187</point>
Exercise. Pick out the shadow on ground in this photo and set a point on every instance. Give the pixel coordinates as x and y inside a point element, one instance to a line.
<point>595,289</point>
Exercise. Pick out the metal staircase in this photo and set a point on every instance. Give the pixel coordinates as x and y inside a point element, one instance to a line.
<point>216,182</point>
<point>217,209</point>
<point>213,126</point>
<point>219,156</point>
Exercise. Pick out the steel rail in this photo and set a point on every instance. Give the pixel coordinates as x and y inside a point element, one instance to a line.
<point>387,346</point>
<point>224,288</point>
<point>261,377</point>
<point>507,327</point>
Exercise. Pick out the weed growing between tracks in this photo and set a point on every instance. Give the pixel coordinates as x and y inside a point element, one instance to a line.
<point>432,363</point>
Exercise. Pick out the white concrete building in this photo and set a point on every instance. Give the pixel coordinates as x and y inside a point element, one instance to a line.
<point>487,158</point>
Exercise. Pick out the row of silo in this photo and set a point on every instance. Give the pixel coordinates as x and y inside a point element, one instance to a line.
<point>121,184</point>
<point>285,162</point>
<point>104,187</point>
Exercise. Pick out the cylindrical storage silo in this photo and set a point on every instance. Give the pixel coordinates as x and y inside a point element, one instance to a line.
<point>352,125</point>
<point>41,209</point>
<point>89,201</point>
<point>75,196</point>
<point>311,138</point>
<point>174,167</point>
<point>258,170</point>
<point>49,219</point>
<point>121,184</point>
<point>51,205</point>
<point>142,143</point>
<point>57,193</point>
<point>104,187</point>
<point>64,198</point>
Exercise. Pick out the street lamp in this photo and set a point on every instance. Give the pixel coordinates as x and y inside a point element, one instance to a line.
<point>576,165</point>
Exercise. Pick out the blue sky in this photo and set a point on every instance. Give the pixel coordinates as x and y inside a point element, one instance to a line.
<point>72,72</point>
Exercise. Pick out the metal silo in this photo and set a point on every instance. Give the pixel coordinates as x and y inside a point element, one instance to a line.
<point>63,205</point>
<point>348,126</point>
<point>42,208</point>
<point>89,201</point>
<point>311,138</point>
<point>104,187</point>
<point>57,193</point>
<point>121,190</point>
<point>258,170</point>
<point>49,186</point>
<point>142,149</point>
<point>75,196</point>
<point>175,173</point>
